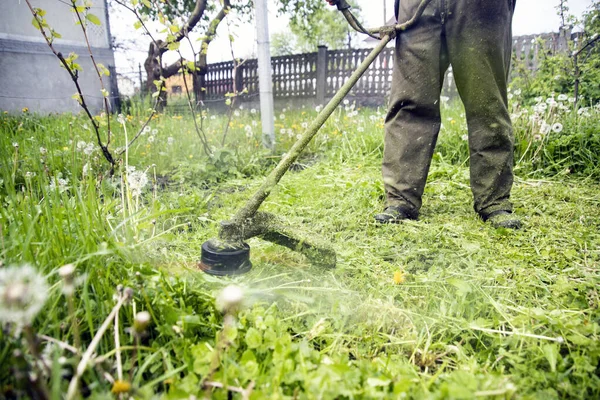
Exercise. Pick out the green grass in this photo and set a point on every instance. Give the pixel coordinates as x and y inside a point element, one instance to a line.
<point>444,307</point>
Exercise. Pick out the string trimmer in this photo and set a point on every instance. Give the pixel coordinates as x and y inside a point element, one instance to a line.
<point>229,254</point>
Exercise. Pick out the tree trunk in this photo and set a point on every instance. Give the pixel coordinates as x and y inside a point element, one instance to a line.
<point>153,69</point>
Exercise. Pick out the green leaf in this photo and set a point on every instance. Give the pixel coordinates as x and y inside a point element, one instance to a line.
<point>173,46</point>
<point>137,25</point>
<point>35,23</point>
<point>104,92</point>
<point>93,19</point>
<point>174,28</point>
<point>551,353</point>
<point>253,338</point>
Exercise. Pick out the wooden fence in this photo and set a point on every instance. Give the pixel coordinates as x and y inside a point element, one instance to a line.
<point>316,77</point>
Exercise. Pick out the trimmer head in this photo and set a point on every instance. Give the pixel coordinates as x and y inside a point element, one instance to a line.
<point>222,258</point>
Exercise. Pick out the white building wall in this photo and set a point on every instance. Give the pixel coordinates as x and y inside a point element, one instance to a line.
<point>32,76</point>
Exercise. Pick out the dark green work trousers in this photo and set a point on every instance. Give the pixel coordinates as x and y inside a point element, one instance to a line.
<point>475,37</point>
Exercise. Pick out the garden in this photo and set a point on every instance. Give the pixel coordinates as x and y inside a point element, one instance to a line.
<point>103,219</point>
<point>100,275</point>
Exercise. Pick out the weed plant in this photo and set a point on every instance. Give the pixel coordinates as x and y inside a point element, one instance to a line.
<point>443,307</point>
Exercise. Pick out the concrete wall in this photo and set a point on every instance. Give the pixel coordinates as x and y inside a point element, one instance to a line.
<point>31,76</point>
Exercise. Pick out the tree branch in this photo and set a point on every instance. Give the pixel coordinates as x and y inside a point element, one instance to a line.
<point>193,20</point>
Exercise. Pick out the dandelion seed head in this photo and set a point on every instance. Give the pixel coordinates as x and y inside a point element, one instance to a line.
<point>137,180</point>
<point>557,127</point>
<point>23,292</point>
<point>59,184</point>
<point>121,119</point>
<point>141,321</point>
<point>230,298</point>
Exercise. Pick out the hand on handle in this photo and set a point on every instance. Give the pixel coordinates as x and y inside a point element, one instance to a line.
<point>341,4</point>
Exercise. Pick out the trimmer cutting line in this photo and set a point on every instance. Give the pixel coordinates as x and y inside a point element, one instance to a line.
<point>229,254</point>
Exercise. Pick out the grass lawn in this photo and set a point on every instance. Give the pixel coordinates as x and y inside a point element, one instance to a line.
<point>443,307</point>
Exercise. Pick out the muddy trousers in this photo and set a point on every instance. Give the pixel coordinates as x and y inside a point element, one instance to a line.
<point>475,37</point>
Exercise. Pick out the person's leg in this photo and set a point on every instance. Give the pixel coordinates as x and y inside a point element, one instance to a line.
<point>479,40</point>
<point>413,120</point>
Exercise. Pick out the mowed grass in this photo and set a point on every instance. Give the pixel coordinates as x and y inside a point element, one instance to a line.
<point>443,307</point>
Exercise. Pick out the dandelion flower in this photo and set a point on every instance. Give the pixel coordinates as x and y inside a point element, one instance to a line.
<point>15,145</point>
<point>518,92</point>
<point>236,113</point>
<point>121,387</point>
<point>304,125</point>
<point>557,127</point>
<point>43,151</point>
<point>253,111</point>
<point>25,109</point>
<point>170,140</point>
<point>150,139</point>
<point>537,138</point>
<point>23,293</point>
<point>563,97</point>
<point>346,102</point>
<point>282,116</point>
<point>399,277</point>
<point>465,137</point>
<point>318,108</point>
<point>121,119</point>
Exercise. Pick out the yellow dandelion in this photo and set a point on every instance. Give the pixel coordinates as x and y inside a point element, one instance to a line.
<point>452,122</point>
<point>399,277</point>
<point>121,387</point>
<point>191,156</point>
<point>25,109</point>
<point>65,148</point>
<point>5,112</point>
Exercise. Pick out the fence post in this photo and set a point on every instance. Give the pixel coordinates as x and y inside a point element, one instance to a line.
<point>321,74</point>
